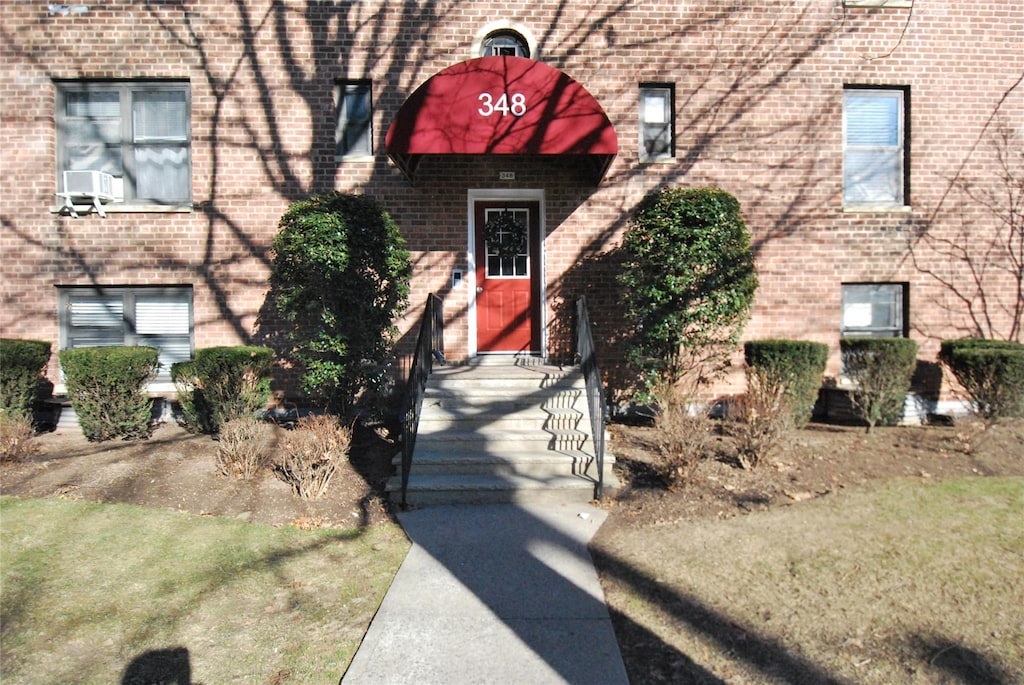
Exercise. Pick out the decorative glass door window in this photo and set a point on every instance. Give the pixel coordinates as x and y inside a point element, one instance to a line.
<point>508,243</point>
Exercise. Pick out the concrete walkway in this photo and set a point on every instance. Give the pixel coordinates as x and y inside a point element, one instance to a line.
<point>498,593</point>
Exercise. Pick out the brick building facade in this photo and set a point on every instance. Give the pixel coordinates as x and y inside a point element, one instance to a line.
<point>874,145</point>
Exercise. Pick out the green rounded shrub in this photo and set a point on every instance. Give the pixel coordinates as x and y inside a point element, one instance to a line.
<point>794,366</point>
<point>689,282</point>
<point>882,369</point>
<point>21,371</point>
<point>991,372</point>
<point>107,388</point>
<point>340,277</point>
<point>221,384</point>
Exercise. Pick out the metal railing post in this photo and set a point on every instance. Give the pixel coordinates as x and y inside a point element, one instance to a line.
<point>595,389</point>
<point>429,342</point>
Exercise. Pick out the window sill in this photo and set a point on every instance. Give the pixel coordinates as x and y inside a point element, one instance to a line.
<point>876,209</point>
<point>658,160</point>
<point>357,159</point>
<point>878,3</point>
<point>118,208</point>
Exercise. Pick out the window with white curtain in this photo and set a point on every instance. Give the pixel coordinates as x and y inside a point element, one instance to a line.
<point>874,147</point>
<point>876,310</point>
<point>657,122</point>
<point>159,317</point>
<point>139,132</point>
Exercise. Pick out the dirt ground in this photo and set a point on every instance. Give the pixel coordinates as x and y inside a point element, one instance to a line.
<point>809,463</point>
<point>176,470</point>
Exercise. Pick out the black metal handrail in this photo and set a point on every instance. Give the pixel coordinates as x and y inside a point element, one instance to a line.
<point>595,388</point>
<point>429,347</point>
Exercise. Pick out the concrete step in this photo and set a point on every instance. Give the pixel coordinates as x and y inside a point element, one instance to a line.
<point>528,463</point>
<point>501,400</point>
<point>426,490</point>
<point>502,440</point>
<point>503,430</point>
<point>436,419</point>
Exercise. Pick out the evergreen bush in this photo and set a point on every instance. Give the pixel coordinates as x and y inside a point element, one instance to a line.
<point>340,278</point>
<point>689,282</point>
<point>21,371</point>
<point>107,388</point>
<point>221,384</point>
<point>794,367</point>
<point>991,372</point>
<point>882,369</point>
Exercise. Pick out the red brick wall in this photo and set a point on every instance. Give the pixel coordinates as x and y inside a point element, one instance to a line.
<point>758,112</point>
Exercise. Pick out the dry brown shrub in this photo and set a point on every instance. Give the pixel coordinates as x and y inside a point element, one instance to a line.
<point>684,437</point>
<point>312,453</point>
<point>16,433</point>
<point>243,447</point>
<point>758,419</point>
<point>971,433</point>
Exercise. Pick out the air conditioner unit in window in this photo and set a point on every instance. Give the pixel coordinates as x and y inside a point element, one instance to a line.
<point>96,187</point>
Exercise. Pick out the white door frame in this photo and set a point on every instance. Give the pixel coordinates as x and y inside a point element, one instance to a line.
<point>538,271</point>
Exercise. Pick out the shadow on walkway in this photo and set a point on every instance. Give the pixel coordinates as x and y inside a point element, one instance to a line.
<point>509,594</point>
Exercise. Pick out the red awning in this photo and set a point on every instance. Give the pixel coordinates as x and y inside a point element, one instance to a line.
<point>501,106</point>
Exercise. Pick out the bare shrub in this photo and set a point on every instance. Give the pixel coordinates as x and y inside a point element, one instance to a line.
<point>684,437</point>
<point>312,453</point>
<point>971,431</point>
<point>758,419</point>
<point>243,447</point>
<point>16,433</point>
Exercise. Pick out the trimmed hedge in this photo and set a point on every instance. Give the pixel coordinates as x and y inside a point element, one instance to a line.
<point>107,388</point>
<point>21,371</point>
<point>221,384</point>
<point>882,368</point>
<point>795,365</point>
<point>991,372</point>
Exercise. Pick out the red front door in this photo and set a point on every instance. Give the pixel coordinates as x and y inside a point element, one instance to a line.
<point>507,299</point>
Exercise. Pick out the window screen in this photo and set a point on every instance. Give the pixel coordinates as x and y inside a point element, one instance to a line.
<point>154,317</point>
<point>874,146</point>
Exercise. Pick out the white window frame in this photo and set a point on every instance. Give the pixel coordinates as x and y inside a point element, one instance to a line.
<point>117,319</point>
<point>126,141</point>
<point>362,146</point>
<point>505,43</point>
<point>654,124</point>
<point>859,315</point>
<point>878,3</point>
<point>887,159</point>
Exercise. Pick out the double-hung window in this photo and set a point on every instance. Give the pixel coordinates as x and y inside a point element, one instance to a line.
<point>139,132</point>
<point>657,122</point>
<point>159,317</point>
<point>876,310</point>
<point>354,118</point>
<point>874,147</point>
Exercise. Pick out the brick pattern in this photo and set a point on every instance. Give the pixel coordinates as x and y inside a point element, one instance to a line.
<point>759,113</point>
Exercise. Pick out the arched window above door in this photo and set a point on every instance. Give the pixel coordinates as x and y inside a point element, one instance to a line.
<point>505,38</point>
<point>504,43</point>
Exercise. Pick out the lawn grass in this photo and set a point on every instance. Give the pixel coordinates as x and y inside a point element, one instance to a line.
<point>89,588</point>
<point>910,583</point>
